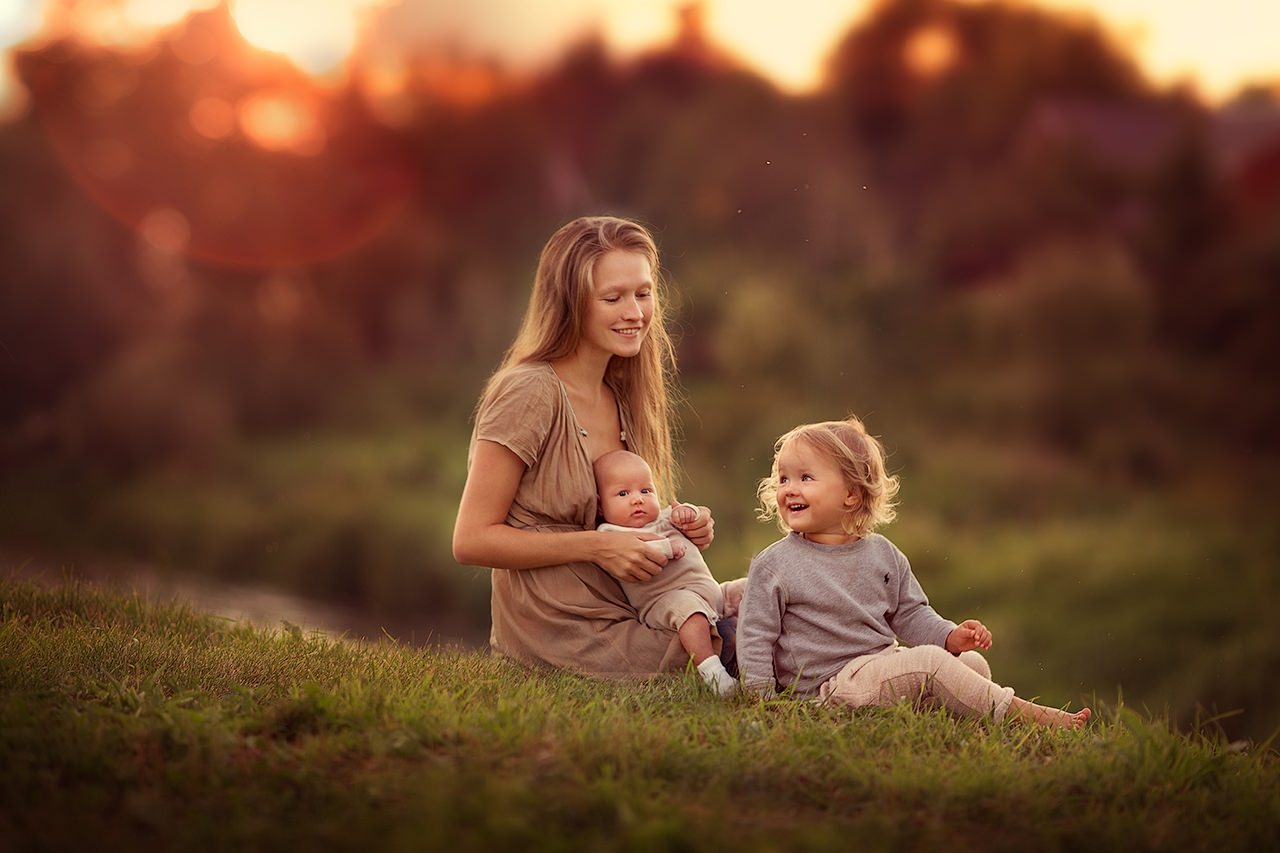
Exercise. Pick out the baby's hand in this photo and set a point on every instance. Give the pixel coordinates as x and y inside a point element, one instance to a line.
<point>682,514</point>
<point>677,550</point>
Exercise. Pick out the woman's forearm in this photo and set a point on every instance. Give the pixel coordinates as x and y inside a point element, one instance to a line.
<point>501,546</point>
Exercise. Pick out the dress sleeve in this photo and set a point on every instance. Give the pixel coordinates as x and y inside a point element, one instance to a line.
<point>517,413</point>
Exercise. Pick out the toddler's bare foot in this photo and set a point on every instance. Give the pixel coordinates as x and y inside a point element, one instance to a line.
<point>1046,716</point>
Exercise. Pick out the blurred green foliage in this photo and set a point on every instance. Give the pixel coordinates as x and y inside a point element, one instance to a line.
<point>1028,271</point>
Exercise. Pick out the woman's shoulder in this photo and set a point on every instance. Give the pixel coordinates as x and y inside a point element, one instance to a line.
<point>530,379</point>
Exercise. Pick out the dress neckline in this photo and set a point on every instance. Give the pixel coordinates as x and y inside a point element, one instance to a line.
<point>577,425</point>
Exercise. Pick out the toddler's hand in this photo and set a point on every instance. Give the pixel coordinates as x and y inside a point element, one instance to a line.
<point>968,635</point>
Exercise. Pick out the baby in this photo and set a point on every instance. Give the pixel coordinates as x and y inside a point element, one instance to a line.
<point>683,597</point>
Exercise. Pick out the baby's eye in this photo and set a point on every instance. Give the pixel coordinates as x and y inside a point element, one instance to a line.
<point>622,494</point>
<point>646,491</point>
<point>806,476</point>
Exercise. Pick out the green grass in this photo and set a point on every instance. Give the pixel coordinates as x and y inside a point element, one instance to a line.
<point>130,724</point>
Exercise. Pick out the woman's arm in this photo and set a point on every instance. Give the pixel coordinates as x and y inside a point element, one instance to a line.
<point>482,537</point>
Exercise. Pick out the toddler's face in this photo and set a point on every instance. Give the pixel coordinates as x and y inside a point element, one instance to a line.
<point>627,495</point>
<point>813,498</point>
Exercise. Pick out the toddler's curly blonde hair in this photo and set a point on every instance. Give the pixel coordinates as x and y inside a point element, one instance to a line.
<point>860,458</point>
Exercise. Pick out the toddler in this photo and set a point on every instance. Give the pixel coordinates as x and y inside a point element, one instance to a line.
<point>683,597</point>
<point>825,605</point>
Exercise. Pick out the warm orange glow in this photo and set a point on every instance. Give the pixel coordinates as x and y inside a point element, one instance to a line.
<point>317,35</point>
<point>128,23</point>
<point>278,121</point>
<point>213,118</point>
<point>930,51</point>
<point>166,229</point>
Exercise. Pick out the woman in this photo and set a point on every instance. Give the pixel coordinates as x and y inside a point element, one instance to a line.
<point>589,372</point>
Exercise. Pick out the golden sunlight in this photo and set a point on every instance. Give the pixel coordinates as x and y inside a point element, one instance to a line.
<point>279,121</point>
<point>931,51</point>
<point>128,23</point>
<point>317,36</point>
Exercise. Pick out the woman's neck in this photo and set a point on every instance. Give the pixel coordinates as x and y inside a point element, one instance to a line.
<point>584,377</point>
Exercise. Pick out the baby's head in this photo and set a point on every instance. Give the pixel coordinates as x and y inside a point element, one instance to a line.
<point>860,460</point>
<point>625,485</point>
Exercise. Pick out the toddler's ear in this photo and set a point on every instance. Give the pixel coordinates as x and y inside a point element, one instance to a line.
<point>853,500</point>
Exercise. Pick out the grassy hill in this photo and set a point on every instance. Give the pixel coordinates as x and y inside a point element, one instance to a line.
<point>125,723</point>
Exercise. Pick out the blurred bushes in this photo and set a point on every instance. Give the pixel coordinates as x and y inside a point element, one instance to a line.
<point>1019,264</point>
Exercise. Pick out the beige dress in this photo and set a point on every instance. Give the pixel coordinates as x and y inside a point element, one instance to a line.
<point>572,616</point>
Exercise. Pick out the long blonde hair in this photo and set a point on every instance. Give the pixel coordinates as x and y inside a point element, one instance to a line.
<point>552,329</point>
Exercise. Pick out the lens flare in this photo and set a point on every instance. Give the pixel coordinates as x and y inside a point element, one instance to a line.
<point>317,36</point>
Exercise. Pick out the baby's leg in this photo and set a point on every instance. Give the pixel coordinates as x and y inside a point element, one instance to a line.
<point>695,636</point>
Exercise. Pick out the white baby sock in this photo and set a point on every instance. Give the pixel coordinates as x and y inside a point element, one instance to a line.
<point>712,672</point>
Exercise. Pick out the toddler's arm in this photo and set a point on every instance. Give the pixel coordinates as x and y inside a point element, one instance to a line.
<point>759,626</point>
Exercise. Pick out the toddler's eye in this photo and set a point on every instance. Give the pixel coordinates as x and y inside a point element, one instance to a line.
<point>646,491</point>
<point>622,494</point>
<point>783,480</point>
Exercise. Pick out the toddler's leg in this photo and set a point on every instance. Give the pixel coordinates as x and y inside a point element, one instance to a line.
<point>1021,708</point>
<point>977,663</point>
<point>695,636</point>
<point>927,674</point>
<point>1043,715</point>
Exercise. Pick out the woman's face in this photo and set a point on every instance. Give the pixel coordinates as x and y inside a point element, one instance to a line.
<point>621,305</point>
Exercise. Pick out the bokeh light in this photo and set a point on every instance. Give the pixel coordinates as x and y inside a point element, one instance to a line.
<point>281,121</point>
<point>318,35</point>
<point>931,51</point>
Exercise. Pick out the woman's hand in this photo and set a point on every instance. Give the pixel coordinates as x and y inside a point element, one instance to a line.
<point>627,558</point>
<point>967,636</point>
<point>700,530</point>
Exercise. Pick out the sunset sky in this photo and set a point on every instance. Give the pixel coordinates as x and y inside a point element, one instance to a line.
<point>1215,46</point>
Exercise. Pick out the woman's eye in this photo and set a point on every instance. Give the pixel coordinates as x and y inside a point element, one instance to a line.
<point>611,299</point>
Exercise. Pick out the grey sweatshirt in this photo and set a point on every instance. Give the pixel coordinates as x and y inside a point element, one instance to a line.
<point>809,609</point>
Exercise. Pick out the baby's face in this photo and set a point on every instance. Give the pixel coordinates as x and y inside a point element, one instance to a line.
<point>627,495</point>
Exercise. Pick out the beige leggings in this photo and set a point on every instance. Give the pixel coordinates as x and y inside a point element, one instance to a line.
<point>930,676</point>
